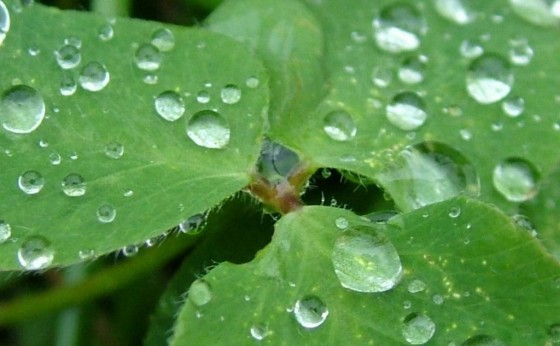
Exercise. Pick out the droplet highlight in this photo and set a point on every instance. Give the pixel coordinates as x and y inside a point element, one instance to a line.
<point>4,21</point>
<point>456,11</point>
<point>5,231</point>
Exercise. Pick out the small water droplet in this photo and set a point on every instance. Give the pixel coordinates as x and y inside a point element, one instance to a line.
<point>418,329</point>
<point>554,333</point>
<point>106,213</point>
<point>55,159</point>
<point>94,76</point>
<point>259,331</point>
<point>209,129</point>
<point>200,292</point>
<point>489,79</point>
<point>35,253</point>
<point>538,12</point>
<point>74,185</point>
<point>406,111</point>
<point>114,150</point>
<point>412,70</point>
<point>341,223</point>
<point>252,82</point>
<point>366,261</point>
<point>43,143</point>
<point>5,231</point>
<point>130,250</point>
<point>465,134</point>
<point>454,212</point>
<point>454,10</point>
<point>169,105</point>
<point>33,50</point>
<point>203,97</point>
<point>68,85</point>
<point>398,28</point>
<point>382,76</point>
<point>194,224</point>
<point>128,193</point>
<point>525,223</point>
<point>22,109</point>
<point>31,182</point>
<point>482,340</point>
<point>416,286</point>
<point>339,126</point>
<point>105,32</point>
<point>230,94</point>
<point>68,56</point>
<point>438,299</point>
<point>407,304</point>
<point>4,21</point>
<point>358,37</point>
<point>516,180</point>
<point>148,57</point>
<point>520,52</point>
<point>86,254</point>
<point>73,156</point>
<point>310,311</point>
<point>163,39</point>
<point>513,106</point>
<point>471,49</point>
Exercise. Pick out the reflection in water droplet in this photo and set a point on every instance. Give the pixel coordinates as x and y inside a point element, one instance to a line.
<point>148,57</point>
<point>471,49</point>
<point>310,312</point>
<point>169,105</point>
<point>406,111</point>
<point>341,222</point>
<point>513,106</point>
<point>74,185</point>
<point>114,150</point>
<point>520,52</point>
<point>94,77</point>
<point>4,21</point>
<point>200,292</point>
<point>5,231</point>
<point>21,109</point>
<point>454,10</point>
<point>163,39</point>
<point>105,32</point>
<point>339,126</point>
<point>106,213</point>
<point>68,85</point>
<point>366,261</point>
<point>230,94</point>
<point>516,179</point>
<point>412,70</point>
<point>35,253</point>
<point>416,286</point>
<point>398,28</point>
<point>31,182</point>
<point>209,129</point>
<point>194,224</point>
<point>418,329</point>
<point>489,79</point>
<point>259,331</point>
<point>68,56</point>
<point>538,12</point>
<point>483,340</point>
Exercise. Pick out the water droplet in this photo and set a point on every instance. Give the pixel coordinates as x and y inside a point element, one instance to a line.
<point>86,254</point>
<point>418,329</point>
<point>406,111</point>
<point>150,79</point>
<point>339,126</point>
<point>209,129</point>
<point>148,57</point>
<point>74,185</point>
<point>203,97</point>
<point>128,193</point>
<point>68,85</point>
<point>341,223</point>
<point>520,52</point>
<point>489,79</point>
<point>105,32</point>
<point>471,49</point>
<point>513,106</point>
<point>310,311</point>
<point>465,134</point>
<point>438,299</point>
<point>538,12</point>
<point>382,76</point>
<point>169,105</point>
<point>22,109</point>
<point>525,223</point>
<point>35,253</point>
<point>194,224</point>
<point>31,182</point>
<point>454,10</point>
<point>5,231</point>
<point>516,180</point>
<point>55,159</point>
<point>68,56</point>
<point>259,331</point>
<point>163,39</point>
<point>200,292</point>
<point>33,50</point>
<point>412,70</point>
<point>94,76</point>
<point>4,21</point>
<point>366,261</point>
<point>398,28</point>
<point>114,150</point>
<point>74,41</point>
<point>252,82</point>
<point>482,340</point>
<point>416,286</point>
<point>106,213</point>
<point>130,250</point>
<point>554,333</point>
<point>73,155</point>
<point>230,94</point>
<point>454,212</point>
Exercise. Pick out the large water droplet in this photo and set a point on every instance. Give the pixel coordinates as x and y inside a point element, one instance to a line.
<point>538,12</point>
<point>339,126</point>
<point>94,77</point>
<point>74,185</point>
<point>114,150</point>
<point>106,213</point>
<point>5,231</point>
<point>169,105</point>
<point>35,253</point>
<point>200,292</point>
<point>68,84</point>
<point>259,331</point>
<point>22,109</point>
<point>516,179</point>
<point>513,106</point>
<point>31,182</point>
<point>416,286</point>
<point>68,56</point>
<point>163,39</point>
<point>230,94</point>
<point>412,70</point>
<point>4,21</point>
<point>482,340</point>
<point>310,311</point>
<point>209,129</point>
<point>406,111</point>
<point>148,57</point>
<point>418,329</point>
<point>398,28</point>
<point>489,79</point>
<point>366,261</point>
<point>454,10</point>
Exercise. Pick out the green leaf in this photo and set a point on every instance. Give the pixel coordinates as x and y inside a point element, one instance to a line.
<point>480,275</point>
<point>163,177</point>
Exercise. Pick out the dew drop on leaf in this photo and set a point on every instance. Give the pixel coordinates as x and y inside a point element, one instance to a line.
<point>148,57</point>
<point>525,223</point>
<point>438,299</point>
<point>230,94</point>
<point>106,213</point>
<point>252,82</point>
<point>5,231</point>
<point>416,286</point>
<point>105,32</point>
<point>4,21</point>
<point>341,222</point>
<point>130,250</point>
<point>74,185</point>
<point>406,111</point>
<point>418,328</point>
<point>456,11</point>
<point>310,311</point>
<point>35,253</point>
<point>554,333</point>
<point>200,292</point>
<point>68,85</point>
<point>515,179</point>
<point>203,97</point>
<point>471,49</point>
<point>382,76</point>
<point>398,28</point>
<point>169,105</point>
<point>412,70</point>
<point>94,76</point>
<point>114,150</point>
<point>209,129</point>
<point>489,78</point>
<point>339,125</point>
<point>68,56</point>
<point>193,225</point>
<point>22,109</point>
<point>483,340</point>
<point>86,254</point>
<point>513,106</point>
<point>163,39</point>
<point>259,331</point>
<point>520,52</point>
<point>31,182</point>
<point>55,159</point>
<point>454,212</point>
<point>366,261</point>
<point>538,12</point>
